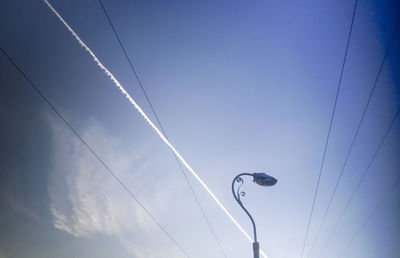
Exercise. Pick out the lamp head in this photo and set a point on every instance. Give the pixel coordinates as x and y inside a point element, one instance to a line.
<point>264,179</point>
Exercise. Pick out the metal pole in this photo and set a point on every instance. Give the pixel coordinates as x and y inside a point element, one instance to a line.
<point>256,250</point>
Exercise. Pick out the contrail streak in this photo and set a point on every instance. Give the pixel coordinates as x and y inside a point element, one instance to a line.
<point>140,110</point>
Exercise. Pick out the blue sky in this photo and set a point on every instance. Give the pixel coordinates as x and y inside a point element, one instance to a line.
<point>239,87</point>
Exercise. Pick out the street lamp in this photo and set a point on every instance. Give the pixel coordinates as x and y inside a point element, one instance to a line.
<point>260,179</point>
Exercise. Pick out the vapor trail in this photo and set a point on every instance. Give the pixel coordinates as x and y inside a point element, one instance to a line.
<point>140,110</point>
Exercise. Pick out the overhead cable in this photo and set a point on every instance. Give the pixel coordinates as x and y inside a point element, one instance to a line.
<point>372,214</point>
<point>360,181</point>
<point>329,130</point>
<point>355,136</point>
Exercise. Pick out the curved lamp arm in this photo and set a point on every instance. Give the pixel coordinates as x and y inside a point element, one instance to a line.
<point>237,194</point>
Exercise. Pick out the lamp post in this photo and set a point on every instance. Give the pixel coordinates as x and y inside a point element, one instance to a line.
<point>261,179</point>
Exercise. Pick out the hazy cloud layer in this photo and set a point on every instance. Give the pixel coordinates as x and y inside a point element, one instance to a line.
<point>86,201</point>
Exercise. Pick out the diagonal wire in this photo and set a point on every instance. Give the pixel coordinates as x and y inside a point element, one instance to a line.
<point>329,130</point>
<point>111,172</point>
<point>355,136</point>
<point>360,182</point>
<point>161,127</point>
<point>371,215</point>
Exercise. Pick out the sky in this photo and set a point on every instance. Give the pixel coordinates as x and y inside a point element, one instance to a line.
<point>238,87</point>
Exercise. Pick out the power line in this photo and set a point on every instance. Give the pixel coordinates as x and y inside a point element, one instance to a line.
<point>371,215</point>
<point>360,181</point>
<point>93,152</point>
<point>329,130</point>
<point>355,135</point>
<point>161,127</point>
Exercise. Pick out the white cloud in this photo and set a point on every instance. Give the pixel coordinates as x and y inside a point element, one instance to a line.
<point>86,201</point>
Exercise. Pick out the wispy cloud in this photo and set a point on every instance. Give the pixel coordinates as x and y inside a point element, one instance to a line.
<point>84,201</point>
